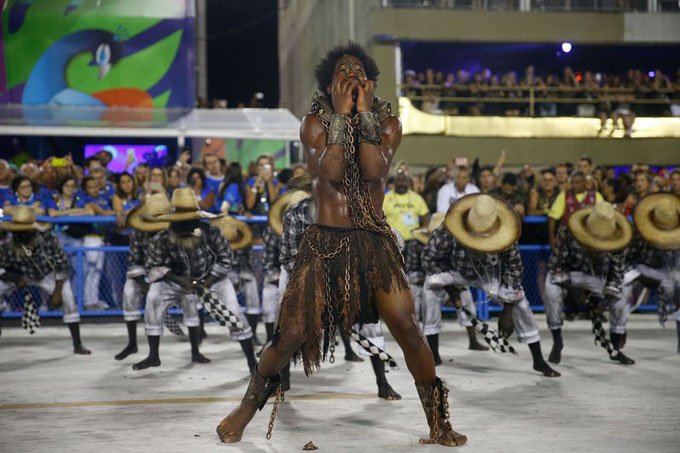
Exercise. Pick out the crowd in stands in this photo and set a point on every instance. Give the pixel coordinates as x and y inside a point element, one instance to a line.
<point>573,93</point>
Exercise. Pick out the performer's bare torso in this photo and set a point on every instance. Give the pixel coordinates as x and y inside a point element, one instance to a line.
<point>350,92</point>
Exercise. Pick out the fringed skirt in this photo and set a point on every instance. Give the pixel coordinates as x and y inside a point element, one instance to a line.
<point>334,281</point>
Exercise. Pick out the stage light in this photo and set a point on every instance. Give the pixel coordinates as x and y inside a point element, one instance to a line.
<point>566,47</point>
<point>651,74</point>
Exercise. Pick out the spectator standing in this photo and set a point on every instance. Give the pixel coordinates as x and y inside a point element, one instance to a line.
<point>206,197</point>
<point>642,186</point>
<point>262,189</point>
<point>94,260</point>
<point>214,176</point>
<point>450,192</point>
<point>674,185</point>
<point>124,200</point>
<point>577,197</point>
<point>511,193</point>
<point>487,179</point>
<point>562,176</point>
<point>543,197</point>
<point>141,173</point>
<point>405,210</point>
<point>231,194</point>
<point>5,182</point>
<point>156,182</point>
<point>435,178</point>
<point>174,180</point>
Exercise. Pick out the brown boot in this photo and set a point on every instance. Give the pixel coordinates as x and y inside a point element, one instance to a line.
<point>435,403</point>
<point>259,390</point>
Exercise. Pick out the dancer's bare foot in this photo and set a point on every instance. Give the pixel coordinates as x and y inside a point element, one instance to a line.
<point>386,391</point>
<point>231,428</point>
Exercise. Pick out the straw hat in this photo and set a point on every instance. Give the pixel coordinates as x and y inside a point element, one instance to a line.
<point>423,234</point>
<point>183,206</point>
<point>601,228</point>
<point>281,205</point>
<point>657,219</point>
<point>302,182</point>
<point>238,233</point>
<point>24,220</point>
<point>483,223</point>
<point>156,204</point>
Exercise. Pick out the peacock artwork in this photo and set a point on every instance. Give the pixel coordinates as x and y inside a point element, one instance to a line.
<point>98,53</point>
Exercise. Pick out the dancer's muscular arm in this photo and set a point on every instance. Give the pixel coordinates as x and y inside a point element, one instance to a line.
<point>329,159</point>
<point>375,158</point>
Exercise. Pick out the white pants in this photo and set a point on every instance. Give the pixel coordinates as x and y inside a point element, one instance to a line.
<point>417,292</point>
<point>48,284</point>
<point>522,316</point>
<point>270,302</point>
<point>164,294</point>
<point>555,295</point>
<point>248,287</point>
<point>374,332</point>
<point>94,264</point>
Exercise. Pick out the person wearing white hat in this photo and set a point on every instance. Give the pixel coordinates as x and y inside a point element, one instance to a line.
<point>654,255</point>
<point>187,257</point>
<point>34,257</point>
<point>477,246</point>
<point>590,254</point>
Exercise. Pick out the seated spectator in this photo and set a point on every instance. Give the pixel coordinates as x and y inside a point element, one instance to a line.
<point>487,179</point>
<point>5,181</point>
<point>674,185</point>
<point>231,194</point>
<point>511,193</point>
<point>206,197</point>
<point>262,190</point>
<point>569,201</point>
<point>543,197</point>
<point>450,192</point>
<point>23,195</point>
<point>174,180</point>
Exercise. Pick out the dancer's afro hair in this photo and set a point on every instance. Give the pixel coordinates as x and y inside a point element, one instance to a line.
<point>326,67</point>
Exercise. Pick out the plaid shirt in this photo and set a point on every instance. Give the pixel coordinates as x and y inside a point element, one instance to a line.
<point>444,254</point>
<point>48,256</point>
<point>295,221</point>
<point>272,244</point>
<point>213,256</point>
<point>136,256</point>
<point>642,252</point>
<point>570,255</point>
<point>413,256</point>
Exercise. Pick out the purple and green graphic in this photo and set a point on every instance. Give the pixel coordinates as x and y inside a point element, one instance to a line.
<point>102,53</point>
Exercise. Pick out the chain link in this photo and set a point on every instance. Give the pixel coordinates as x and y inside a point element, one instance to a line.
<point>275,409</point>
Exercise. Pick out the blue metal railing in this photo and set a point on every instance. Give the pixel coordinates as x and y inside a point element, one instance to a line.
<point>113,276</point>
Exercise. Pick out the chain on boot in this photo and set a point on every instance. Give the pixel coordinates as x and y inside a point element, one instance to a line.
<point>259,391</point>
<point>434,398</point>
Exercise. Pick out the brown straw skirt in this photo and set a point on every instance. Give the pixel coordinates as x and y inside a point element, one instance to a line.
<point>346,267</point>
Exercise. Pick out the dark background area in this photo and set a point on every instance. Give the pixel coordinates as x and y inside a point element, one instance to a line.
<point>546,58</point>
<point>243,50</point>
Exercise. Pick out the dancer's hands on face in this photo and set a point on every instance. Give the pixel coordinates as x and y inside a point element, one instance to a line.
<point>365,95</point>
<point>341,95</point>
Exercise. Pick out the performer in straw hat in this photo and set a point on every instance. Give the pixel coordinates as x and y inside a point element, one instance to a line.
<point>433,297</point>
<point>299,188</point>
<point>477,246</point>
<point>349,268</point>
<point>136,285</point>
<point>34,257</point>
<point>188,257</point>
<point>655,251</point>
<point>590,254</point>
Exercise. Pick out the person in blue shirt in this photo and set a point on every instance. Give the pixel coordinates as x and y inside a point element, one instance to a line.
<point>94,261</point>
<point>214,176</point>
<point>231,194</point>
<point>206,197</point>
<point>5,181</point>
<point>23,194</point>
<point>264,188</point>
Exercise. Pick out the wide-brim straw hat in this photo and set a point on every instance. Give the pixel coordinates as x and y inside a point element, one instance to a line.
<point>156,204</point>
<point>302,182</point>
<point>24,220</point>
<point>183,206</point>
<point>657,219</point>
<point>281,205</point>
<point>601,228</point>
<point>423,234</point>
<point>484,223</point>
<point>237,232</point>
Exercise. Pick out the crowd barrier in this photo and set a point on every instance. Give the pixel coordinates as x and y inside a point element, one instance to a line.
<point>112,275</point>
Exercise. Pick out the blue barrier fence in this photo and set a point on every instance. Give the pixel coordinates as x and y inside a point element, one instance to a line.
<point>113,266</point>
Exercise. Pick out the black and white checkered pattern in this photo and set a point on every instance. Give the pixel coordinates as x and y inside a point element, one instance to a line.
<point>372,349</point>
<point>495,341</point>
<point>172,325</point>
<point>30,320</point>
<point>597,318</point>
<point>218,311</point>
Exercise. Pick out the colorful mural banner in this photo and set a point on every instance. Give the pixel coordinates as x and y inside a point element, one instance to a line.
<point>103,53</point>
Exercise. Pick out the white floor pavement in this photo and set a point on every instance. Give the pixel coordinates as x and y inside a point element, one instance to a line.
<point>54,401</point>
